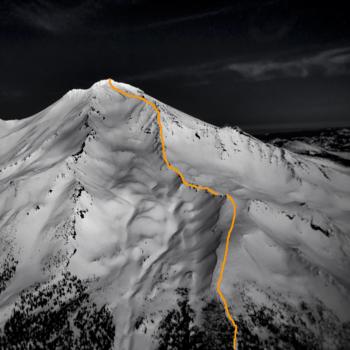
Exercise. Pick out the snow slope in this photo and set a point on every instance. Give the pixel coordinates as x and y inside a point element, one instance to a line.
<point>85,192</point>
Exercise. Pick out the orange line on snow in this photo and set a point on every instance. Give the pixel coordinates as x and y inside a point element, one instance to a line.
<point>198,187</point>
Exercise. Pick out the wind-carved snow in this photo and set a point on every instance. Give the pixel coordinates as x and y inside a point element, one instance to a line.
<point>84,190</point>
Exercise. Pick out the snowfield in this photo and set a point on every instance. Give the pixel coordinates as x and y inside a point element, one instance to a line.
<point>102,246</point>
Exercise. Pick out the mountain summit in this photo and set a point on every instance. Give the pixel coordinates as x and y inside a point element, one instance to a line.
<point>103,247</point>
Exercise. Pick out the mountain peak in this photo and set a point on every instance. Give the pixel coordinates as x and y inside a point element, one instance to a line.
<point>101,87</point>
<point>85,193</point>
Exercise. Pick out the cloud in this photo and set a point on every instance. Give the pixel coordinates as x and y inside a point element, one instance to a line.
<point>327,63</point>
<point>49,16</point>
<point>56,18</point>
<point>194,17</point>
<point>198,72</point>
<point>333,62</point>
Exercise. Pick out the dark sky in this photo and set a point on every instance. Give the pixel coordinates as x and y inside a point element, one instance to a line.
<point>262,65</point>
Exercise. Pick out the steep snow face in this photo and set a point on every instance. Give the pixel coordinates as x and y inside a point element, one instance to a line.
<point>293,222</point>
<point>84,189</point>
<point>85,193</point>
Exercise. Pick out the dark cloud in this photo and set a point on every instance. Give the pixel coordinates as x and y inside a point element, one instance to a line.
<point>11,93</point>
<point>328,63</point>
<point>246,62</point>
<point>332,62</point>
<point>189,18</point>
<point>51,17</point>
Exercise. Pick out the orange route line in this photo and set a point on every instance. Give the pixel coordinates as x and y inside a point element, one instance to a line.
<point>197,187</point>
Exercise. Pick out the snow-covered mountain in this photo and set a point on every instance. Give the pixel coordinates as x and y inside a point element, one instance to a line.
<point>101,246</point>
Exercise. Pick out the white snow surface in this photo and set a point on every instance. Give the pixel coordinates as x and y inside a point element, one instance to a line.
<point>91,163</point>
